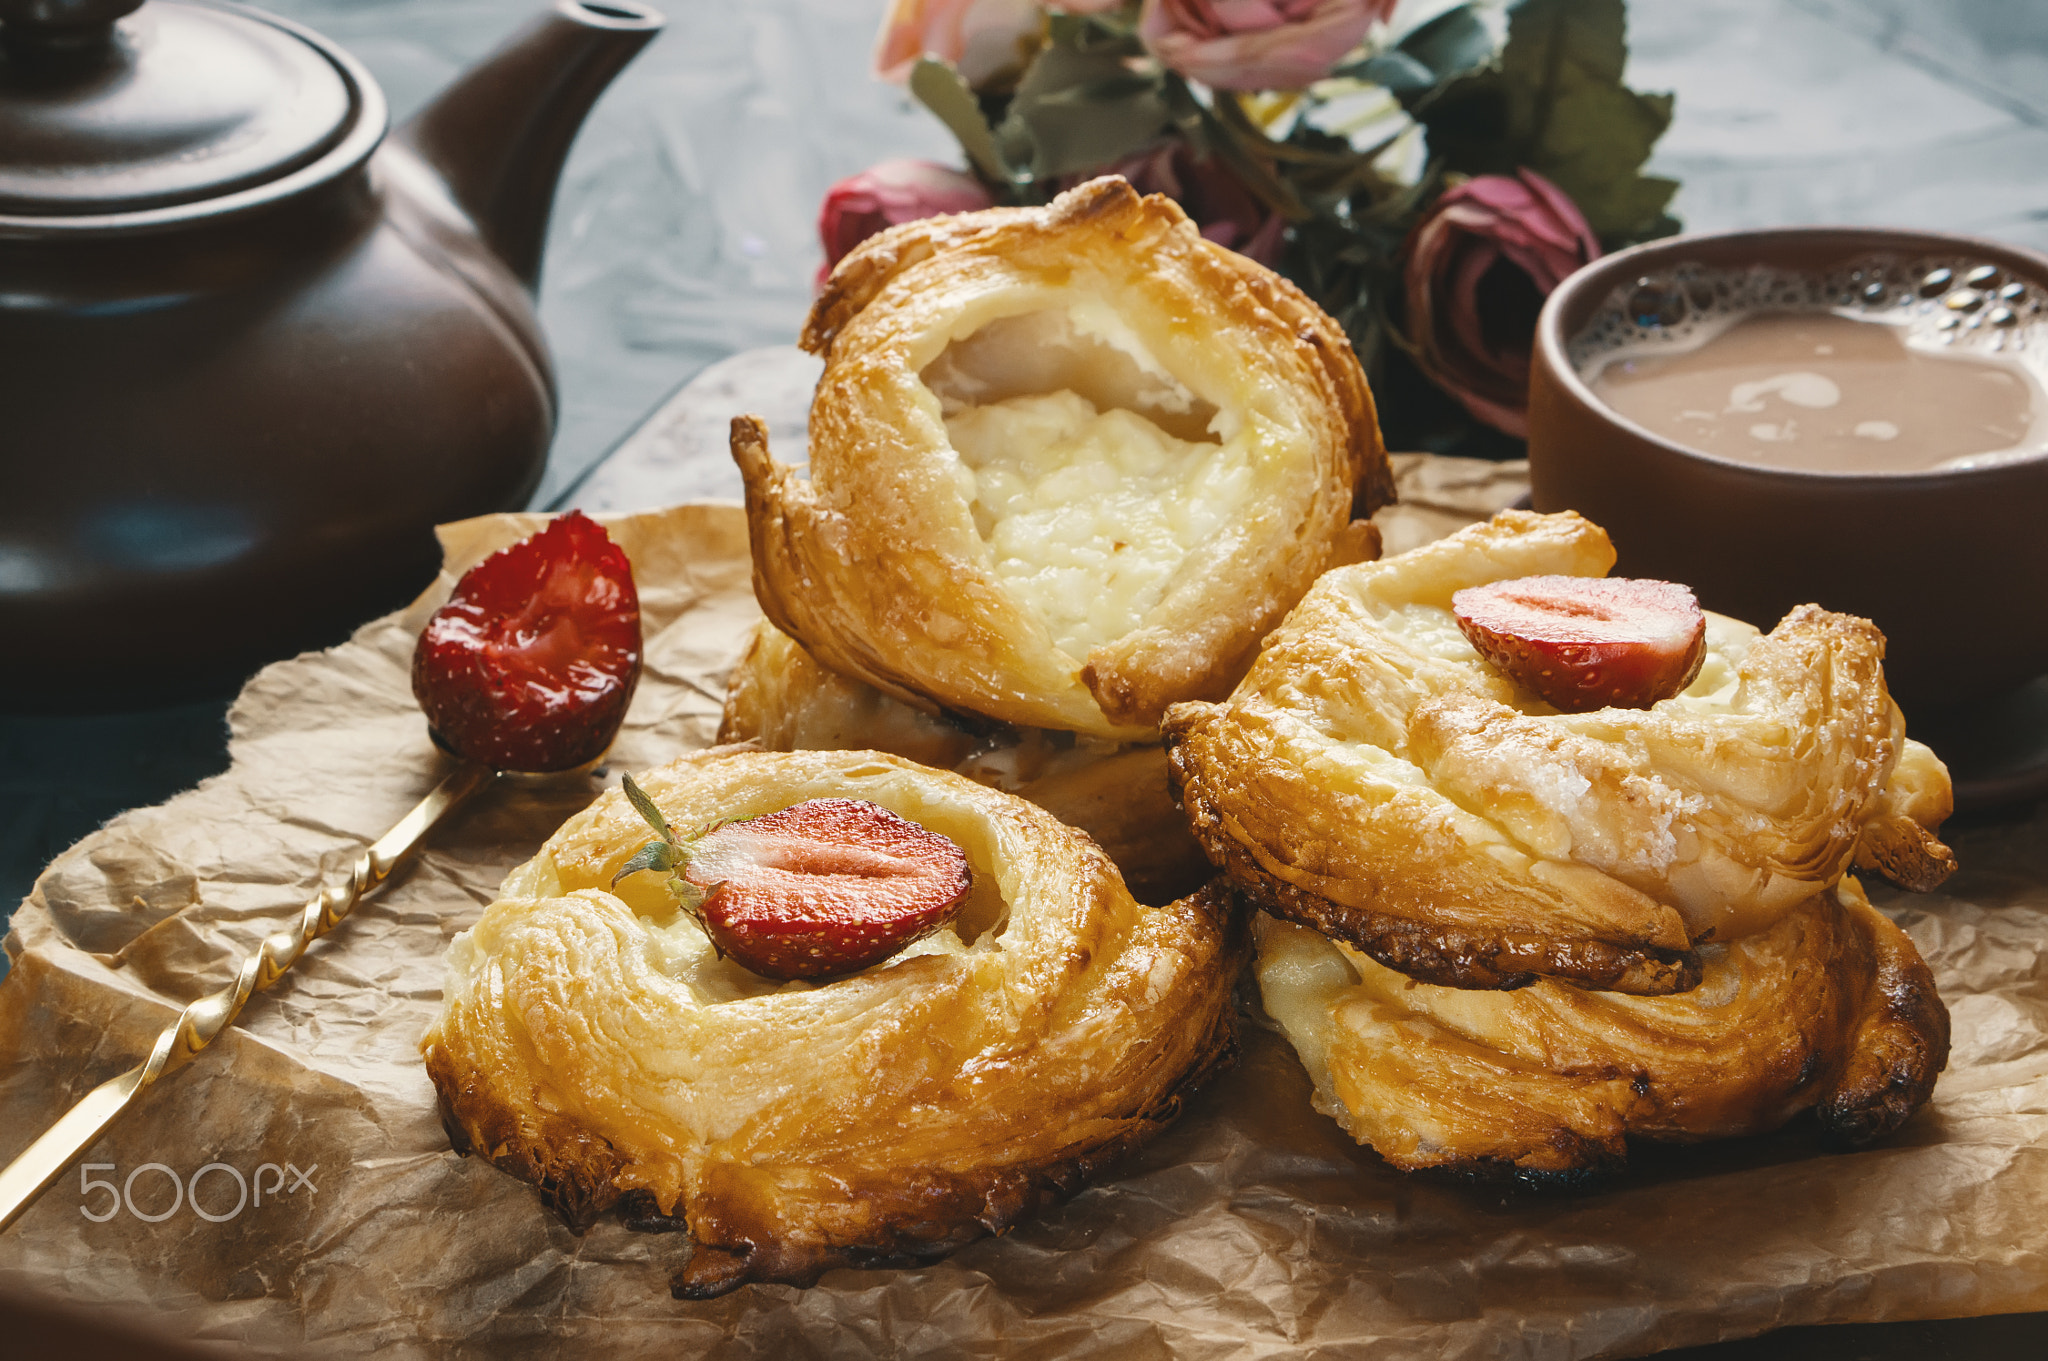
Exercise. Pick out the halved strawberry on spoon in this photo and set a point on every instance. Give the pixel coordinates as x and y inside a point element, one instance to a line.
<point>531,663</point>
<point>528,667</point>
<point>1586,643</point>
<point>820,889</point>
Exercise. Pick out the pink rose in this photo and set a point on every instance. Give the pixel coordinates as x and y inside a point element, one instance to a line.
<point>1226,212</point>
<point>1257,44</point>
<point>982,38</point>
<point>888,193</point>
<point>1479,267</point>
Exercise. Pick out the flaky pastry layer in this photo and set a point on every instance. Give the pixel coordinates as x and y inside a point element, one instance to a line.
<point>890,561</point>
<point>781,699</point>
<point>591,1041</point>
<point>1375,778</point>
<point>1829,1009</point>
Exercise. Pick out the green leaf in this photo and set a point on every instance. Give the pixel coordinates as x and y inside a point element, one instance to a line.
<point>1555,103</point>
<point>1433,54</point>
<point>647,809</point>
<point>1114,28</point>
<point>1081,110</point>
<point>1394,70</point>
<point>655,855</point>
<point>947,94</point>
<point>1451,44</point>
<point>1234,139</point>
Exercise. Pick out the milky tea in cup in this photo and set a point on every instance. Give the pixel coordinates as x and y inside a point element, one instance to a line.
<point>1887,365</point>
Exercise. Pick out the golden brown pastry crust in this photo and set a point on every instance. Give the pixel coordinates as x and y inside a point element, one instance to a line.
<point>1899,841</point>
<point>781,699</point>
<point>874,561</point>
<point>591,1042</point>
<point>1375,778</point>
<point>1829,1009</point>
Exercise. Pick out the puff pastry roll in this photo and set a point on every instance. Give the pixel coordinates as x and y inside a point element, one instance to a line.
<point>1067,465</point>
<point>591,1042</point>
<point>1830,1009</point>
<point>1373,777</point>
<point>780,699</point>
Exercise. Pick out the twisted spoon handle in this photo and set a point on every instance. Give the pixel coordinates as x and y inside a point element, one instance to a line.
<point>43,1161</point>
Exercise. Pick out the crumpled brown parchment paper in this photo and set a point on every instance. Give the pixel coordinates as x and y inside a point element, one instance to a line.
<point>1253,1228</point>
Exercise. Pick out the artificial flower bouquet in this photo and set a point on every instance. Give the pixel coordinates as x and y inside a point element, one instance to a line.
<point>1427,170</point>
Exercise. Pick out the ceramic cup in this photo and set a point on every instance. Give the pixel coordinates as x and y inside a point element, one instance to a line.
<point>1952,564</point>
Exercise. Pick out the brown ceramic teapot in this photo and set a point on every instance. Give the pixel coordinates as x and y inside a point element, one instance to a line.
<point>250,350</point>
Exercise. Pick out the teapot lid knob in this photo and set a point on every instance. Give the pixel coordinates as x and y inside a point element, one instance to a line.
<point>61,23</point>
<point>104,114</point>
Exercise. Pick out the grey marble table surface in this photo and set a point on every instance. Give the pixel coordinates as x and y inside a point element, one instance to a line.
<point>684,235</point>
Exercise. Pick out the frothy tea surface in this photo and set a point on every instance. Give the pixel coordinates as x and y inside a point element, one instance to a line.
<point>1815,390</point>
<point>1876,370</point>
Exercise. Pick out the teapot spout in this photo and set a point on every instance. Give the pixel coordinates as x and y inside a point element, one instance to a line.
<point>499,135</point>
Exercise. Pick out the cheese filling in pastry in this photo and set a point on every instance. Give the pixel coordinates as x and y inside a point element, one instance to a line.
<point>781,699</point>
<point>1373,777</point>
<point>1088,500</point>
<point>592,1042</point>
<point>1067,465</point>
<point>1829,1009</point>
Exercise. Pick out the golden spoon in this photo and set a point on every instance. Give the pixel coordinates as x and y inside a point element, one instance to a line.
<point>43,1161</point>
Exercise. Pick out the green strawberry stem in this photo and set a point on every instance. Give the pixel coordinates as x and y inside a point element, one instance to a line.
<point>671,854</point>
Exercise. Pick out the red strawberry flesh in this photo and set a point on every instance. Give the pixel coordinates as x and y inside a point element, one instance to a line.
<point>531,663</point>
<point>1586,643</point>
<point>825,887</point>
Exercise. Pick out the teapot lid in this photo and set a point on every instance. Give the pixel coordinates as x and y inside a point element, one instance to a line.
<point>107,110</point>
